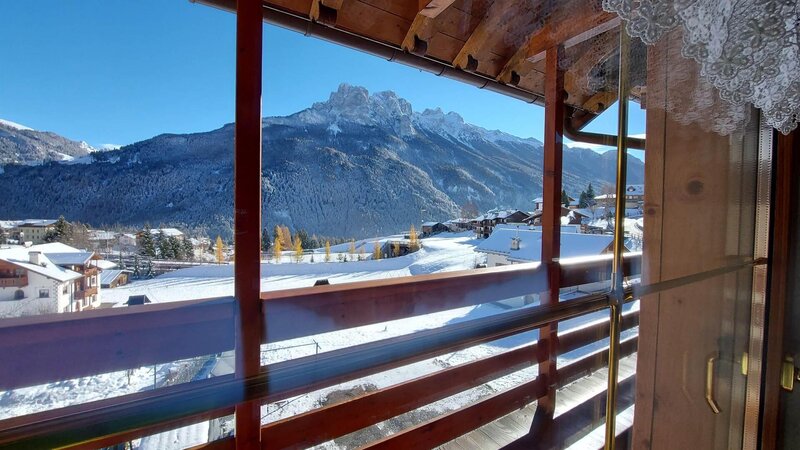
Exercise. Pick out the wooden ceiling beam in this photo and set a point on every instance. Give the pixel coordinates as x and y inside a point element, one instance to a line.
<point>422,29</point>
<point>496,19</point>
<point>325,11</point>
<point>573,23</point>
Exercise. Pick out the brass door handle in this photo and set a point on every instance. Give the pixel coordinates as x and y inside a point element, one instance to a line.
<point>710,372</point>
<point>789,374</point>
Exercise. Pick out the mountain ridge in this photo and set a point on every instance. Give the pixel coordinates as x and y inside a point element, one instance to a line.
<point>355,165</point>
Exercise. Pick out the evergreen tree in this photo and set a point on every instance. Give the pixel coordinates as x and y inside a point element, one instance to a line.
<point>148,272</point>
<point>147,246</point>
<point>188,249</point>
<point>327,251</point>
<point>304,239</point>
<point>176,247</point>
<point>582,200</point>
<point>590,195</point>
<point>137,271</point>
<point>121,262</point>
<point>61,232</point>
<point>564,198</point>
<point>164,246</point>
<point>218,250</point>
<point>298,249</point>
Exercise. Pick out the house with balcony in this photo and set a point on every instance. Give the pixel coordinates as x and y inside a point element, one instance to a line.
<point>485,223</point>
<point>87,288</point>
<point>31,284</point>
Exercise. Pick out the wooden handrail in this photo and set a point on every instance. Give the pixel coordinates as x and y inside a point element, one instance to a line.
<point>328,308</point>
<point>107,340</point>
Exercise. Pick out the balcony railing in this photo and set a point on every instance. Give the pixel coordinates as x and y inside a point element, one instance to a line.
<point>84,293</point>
<point>125,338</point>
<point>18,281</point>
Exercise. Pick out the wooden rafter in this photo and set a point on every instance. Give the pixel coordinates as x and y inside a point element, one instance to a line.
<point>569,25</point>
<point>422,28</point>
<point>325,10</point>
<point>497,17</point>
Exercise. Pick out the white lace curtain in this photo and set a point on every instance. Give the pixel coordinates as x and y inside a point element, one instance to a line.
<point>749,50</point>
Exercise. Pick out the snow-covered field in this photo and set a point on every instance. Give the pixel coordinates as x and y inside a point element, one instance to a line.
<point>445,252</point>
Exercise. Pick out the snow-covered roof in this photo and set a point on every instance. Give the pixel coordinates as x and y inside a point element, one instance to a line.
<point>36,222</point>
<point>108,276</point>
<point>498,214</point>
<point>538,200</point>
<point>530,244</point>
<point>430,224</point>
<point>71,258</point>
<point>9,224</point>
<point>102,235</point>
<point>105,264</point>
<point>631,189</point>
<point>19,256</point>
<point>167,231</point>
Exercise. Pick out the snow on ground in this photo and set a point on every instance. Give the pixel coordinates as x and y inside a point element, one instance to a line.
<point>444,252</point>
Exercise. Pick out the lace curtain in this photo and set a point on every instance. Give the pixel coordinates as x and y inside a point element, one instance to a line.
<point>749,50</point>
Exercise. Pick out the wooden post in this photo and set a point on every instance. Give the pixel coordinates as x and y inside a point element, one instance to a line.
<point>247,212</point>
<point>551,216</point>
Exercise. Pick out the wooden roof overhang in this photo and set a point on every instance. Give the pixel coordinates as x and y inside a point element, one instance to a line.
<point>495,45</point>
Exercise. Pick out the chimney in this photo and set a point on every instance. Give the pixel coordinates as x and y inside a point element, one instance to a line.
<point>515,243</point>
<point>35,258</point>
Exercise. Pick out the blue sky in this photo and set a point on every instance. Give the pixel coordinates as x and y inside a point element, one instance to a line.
<point>119,71</point>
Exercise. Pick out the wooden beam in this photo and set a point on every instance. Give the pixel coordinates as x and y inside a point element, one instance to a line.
<point>247,212</point>
<point>551,216</point>
<point>571,24</point>
<point>498,15</point>
<point>325,11</point>
<point>422,28</point>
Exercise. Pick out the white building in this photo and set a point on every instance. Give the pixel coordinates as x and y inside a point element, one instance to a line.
<point>508,245</point>
<point>47,278</point>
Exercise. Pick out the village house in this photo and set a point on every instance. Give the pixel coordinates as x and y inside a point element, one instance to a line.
<point>458,225</point>
<point>87,288</point>
<point>28,230</point>
<point>47,278</point>
<point>430,228</point>
<point>509,245</point>
<point>113,278</point>
<point>634,197</point>
<point>485,223</point>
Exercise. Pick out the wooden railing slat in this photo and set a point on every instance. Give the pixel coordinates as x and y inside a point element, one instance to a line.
<point>64,347</point>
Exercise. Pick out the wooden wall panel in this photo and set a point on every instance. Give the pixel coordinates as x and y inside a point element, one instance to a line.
<point>691,183</point>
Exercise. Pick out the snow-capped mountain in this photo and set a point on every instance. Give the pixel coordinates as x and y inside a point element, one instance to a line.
<point>356,165</point>
<point>23,145</point>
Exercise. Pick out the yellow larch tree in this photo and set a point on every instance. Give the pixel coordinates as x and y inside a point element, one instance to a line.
<point>298,249</point>
<point>327,251</point>
<point>219,251</point>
